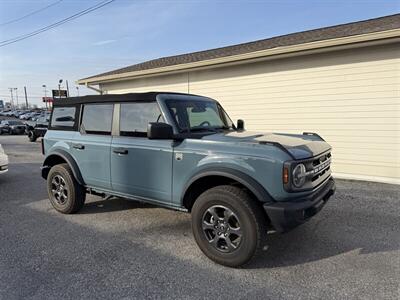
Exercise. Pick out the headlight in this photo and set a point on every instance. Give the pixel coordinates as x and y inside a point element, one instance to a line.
<point>299,175</point>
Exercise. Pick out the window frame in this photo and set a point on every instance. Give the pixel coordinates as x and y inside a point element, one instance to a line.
<point>66,128</point>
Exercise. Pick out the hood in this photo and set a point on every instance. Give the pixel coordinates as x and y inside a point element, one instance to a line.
<point>297,145</point>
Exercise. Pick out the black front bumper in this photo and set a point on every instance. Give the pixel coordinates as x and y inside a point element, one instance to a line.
<point>288,215</point>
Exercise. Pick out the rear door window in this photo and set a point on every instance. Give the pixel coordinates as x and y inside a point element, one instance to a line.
<point>63,117</point>
<point>97,119</point>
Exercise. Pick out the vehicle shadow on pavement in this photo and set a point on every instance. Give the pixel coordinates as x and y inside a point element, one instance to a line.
<point>73,261</point>
<point>104,205</point>
<point>336,230</point>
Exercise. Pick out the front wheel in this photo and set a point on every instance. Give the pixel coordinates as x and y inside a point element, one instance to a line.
<point>65,193</point>
<point>228,225</point>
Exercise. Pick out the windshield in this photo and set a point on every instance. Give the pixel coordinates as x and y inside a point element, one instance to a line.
<point>198,115</point>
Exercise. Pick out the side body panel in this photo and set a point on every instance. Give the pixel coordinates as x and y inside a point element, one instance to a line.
<point>192,157</point>
<point>144,168</point>
<point>93,160</point>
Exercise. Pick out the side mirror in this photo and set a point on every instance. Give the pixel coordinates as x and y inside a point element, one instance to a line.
<point>240,124</point>
<point>159,131</point>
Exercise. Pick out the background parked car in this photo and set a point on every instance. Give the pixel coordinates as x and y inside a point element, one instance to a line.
<point>26,115</point>
<point>37,129</point>
<point>12,127</point>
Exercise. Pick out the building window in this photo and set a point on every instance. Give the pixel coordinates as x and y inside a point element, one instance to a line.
<point>136,116</point>
<point>97,119</point>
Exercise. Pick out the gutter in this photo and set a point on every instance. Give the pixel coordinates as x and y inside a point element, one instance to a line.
<point>374,38</point>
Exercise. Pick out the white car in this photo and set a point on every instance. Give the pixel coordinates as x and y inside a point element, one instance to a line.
<point>3,161</point>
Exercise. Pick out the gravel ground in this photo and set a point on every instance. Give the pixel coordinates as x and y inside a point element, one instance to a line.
<point>122,249</point>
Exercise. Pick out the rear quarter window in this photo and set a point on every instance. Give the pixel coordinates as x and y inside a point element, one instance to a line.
<point>63,117</point>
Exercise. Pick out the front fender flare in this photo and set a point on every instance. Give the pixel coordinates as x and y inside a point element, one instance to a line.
<point>246,180</point>
<point>68,159</point>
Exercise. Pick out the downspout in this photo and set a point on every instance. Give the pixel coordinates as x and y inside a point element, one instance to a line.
<point>188,82</point>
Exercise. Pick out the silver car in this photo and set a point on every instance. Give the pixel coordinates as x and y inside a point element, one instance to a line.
<point>3,161</point>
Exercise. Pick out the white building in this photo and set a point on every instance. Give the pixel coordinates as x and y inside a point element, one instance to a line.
<point>342,82</point>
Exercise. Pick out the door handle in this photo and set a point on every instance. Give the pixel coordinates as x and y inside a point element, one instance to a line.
<point>120,151</point>
<point>78,146</point>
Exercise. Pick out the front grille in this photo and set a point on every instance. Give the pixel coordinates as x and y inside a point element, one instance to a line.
<point>318,169</point>
<point>321,165</point>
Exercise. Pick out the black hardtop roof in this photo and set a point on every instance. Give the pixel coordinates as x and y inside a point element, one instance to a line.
<point>129,97</point>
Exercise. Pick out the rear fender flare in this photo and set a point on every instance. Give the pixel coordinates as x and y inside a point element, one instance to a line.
<point>68,159</point>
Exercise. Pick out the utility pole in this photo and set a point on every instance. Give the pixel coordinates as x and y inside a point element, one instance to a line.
<point>66,81</point>
<point>16,93</point>
<point>26,98</point>
<point>12,98</point>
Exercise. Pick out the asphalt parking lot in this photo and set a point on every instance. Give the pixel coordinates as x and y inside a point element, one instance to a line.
<point>122,249</point>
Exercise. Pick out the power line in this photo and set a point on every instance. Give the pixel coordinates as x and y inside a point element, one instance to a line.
<point>46,28</point>
<point>30,14</point>
<point>51,26</point>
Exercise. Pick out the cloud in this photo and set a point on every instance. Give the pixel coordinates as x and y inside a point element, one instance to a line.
<point>105,42</point>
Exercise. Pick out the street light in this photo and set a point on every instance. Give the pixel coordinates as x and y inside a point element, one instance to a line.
<point>45,94</point>
<point>59,88</point>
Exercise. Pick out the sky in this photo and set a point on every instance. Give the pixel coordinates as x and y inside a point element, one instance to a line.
<point>126,32</point>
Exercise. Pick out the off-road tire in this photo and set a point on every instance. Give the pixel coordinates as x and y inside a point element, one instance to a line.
<point>251,218</point>
<point>76,194</point>
<point>32,136</point>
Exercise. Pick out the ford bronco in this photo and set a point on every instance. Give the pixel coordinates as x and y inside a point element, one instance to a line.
<point>183,152</point>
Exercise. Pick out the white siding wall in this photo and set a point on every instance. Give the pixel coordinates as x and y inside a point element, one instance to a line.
<point>351,98</point>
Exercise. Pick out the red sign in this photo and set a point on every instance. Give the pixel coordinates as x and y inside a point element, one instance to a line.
<point>47,99</point>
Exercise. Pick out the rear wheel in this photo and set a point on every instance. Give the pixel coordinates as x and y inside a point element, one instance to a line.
<point>32,136</point>
<point>65,193</point>
<point>228,225</point>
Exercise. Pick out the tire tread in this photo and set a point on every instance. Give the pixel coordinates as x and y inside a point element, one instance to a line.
<point>77,191</point>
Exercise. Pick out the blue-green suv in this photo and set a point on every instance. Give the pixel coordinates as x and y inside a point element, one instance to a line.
<point>183,152</point>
